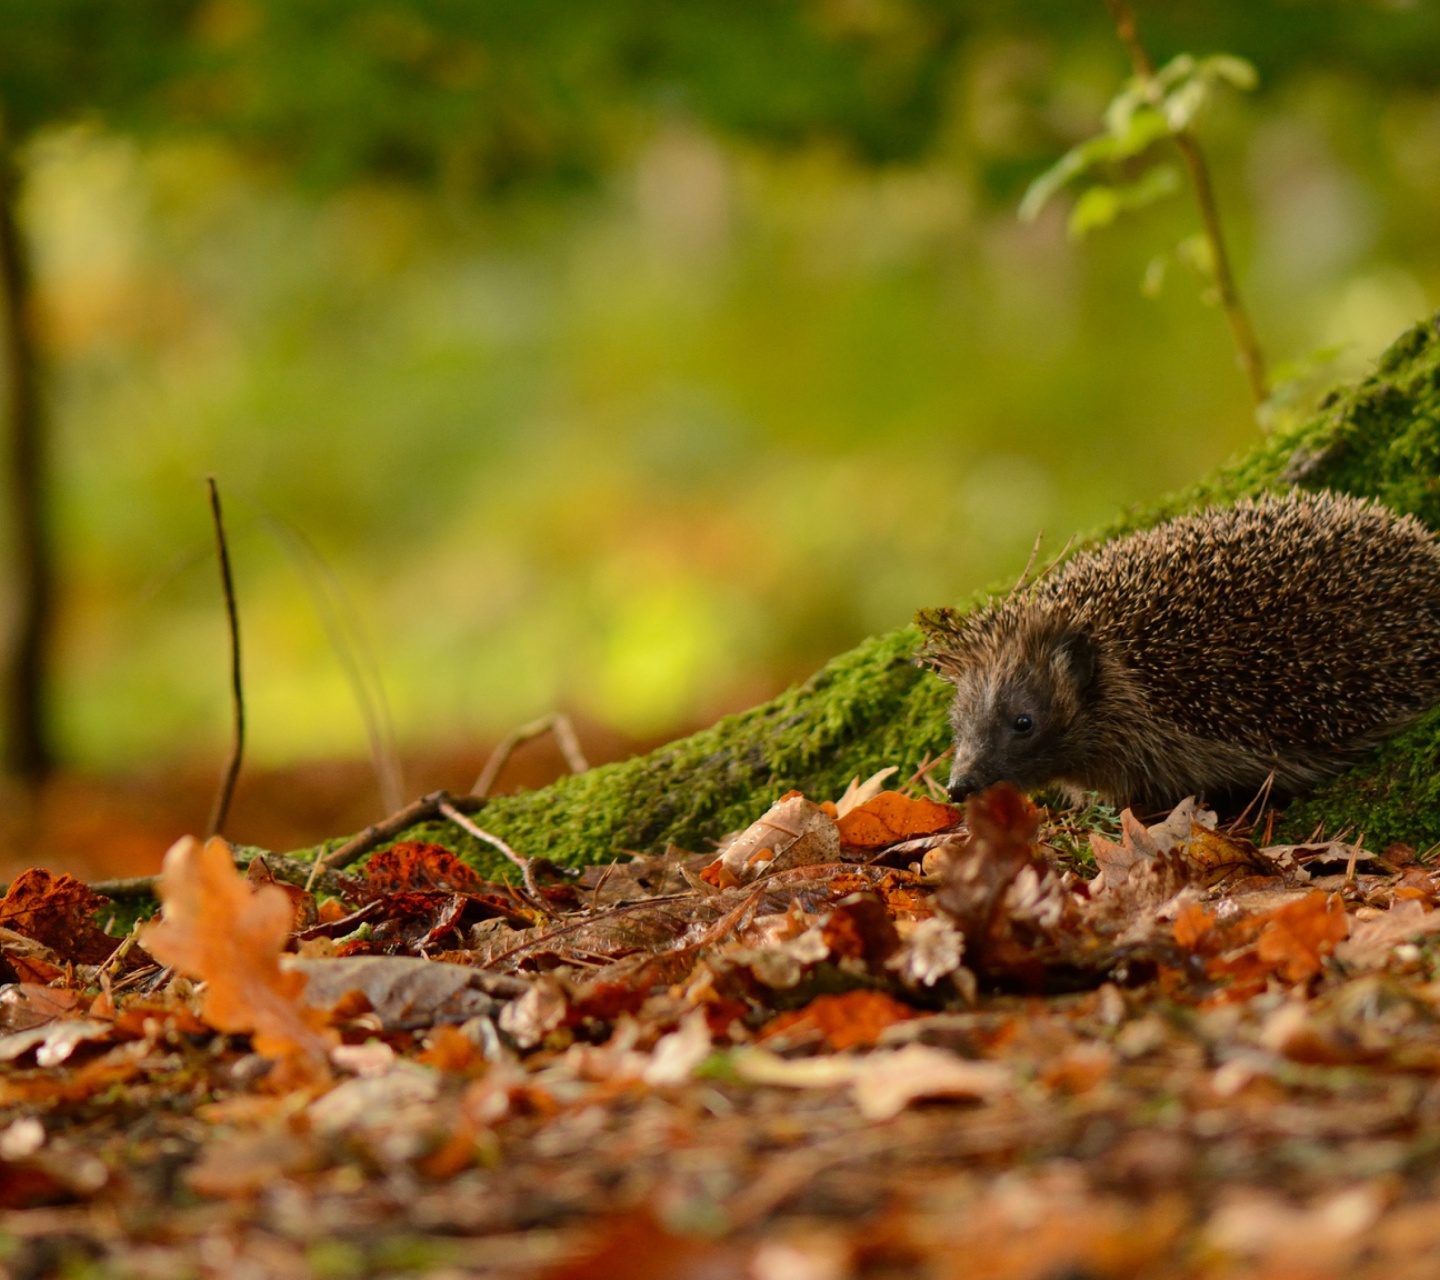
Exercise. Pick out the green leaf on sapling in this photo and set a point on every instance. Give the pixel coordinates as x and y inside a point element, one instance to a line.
<point>1101,205</point>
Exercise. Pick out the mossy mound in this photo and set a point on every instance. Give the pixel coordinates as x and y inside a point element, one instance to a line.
<point>872,707</point>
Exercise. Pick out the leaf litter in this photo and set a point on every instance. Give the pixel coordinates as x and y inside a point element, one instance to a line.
<point>870,1037</point>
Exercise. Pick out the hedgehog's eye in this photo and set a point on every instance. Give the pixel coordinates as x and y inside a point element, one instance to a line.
<point>1023,724</point>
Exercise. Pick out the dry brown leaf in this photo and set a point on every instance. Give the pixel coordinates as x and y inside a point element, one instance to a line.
<point>1218,857</point>
<point>857,793</point>
<point>1116,861</point>
<point>1371,941</point>
<point>28,961</point>
<point>217,929</point>
<point>58,911</point>
<point>793,832</point>
<point>29,1004</point>
<point>402,991</point>
<point>302,903</point>
<point>883,1083</point>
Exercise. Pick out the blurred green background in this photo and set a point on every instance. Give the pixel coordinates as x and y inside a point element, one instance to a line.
<point>635,358</point>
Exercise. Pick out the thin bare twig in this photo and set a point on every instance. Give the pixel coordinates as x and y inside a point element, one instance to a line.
<point>1259,798</point>
<point>600,884</point>
<point>527,870</point>
<point>1030,563</point>
<point>923,772</point>
<point>127,945</point>
<point>1269,830</point>
<point>135,977</point>
<point>1252,360</point>
<point>1355,850</point>
<point>565,737</point>
<point>237,693</point>
<point>571,926</point>
<point>291,870</point>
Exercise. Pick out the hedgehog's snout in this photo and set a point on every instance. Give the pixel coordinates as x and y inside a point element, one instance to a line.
<point>972,774</point>
<point>964,786</point>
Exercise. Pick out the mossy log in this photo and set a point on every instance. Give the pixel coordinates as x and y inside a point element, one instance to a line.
<point>873,707</point>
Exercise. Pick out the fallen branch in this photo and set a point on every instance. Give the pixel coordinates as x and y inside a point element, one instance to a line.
<point>290,870</point>
<point>416,811</point>
<point>565,737</point>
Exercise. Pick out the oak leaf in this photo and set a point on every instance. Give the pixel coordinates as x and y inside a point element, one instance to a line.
<point>216,928</point>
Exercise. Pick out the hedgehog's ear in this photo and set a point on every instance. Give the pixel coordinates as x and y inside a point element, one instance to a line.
<point>1075,658</point>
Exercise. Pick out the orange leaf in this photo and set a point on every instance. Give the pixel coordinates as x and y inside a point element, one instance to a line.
<point>892,816</point>
<point>851,1020</point>
<point>217,929</point>
<point>1192,925</point>
<point>413,864</point>
<point>1298,936</point>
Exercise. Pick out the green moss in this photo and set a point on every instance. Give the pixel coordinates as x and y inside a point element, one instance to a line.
<point>872,707</point>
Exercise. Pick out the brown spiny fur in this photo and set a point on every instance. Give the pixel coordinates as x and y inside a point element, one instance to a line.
<point>1287,635</point>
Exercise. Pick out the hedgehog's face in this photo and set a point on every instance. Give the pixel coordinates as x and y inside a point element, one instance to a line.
<point>1016,714</point>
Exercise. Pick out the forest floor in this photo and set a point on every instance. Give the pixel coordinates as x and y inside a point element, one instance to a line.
<point>868,1037</point>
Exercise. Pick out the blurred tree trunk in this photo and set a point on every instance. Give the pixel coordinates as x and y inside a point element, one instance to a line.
<point>24,660</point>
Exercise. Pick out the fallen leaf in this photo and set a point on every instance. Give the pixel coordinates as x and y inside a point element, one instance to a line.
<point>933,951</point>
<point>1371,941</point>
<point>302,903</point>
<point>371,1101</point>
<point>28,960</point>
<point>891,817</point>
<point>884,1083</point>
<point>215,928</point>
<point>1180,824</point>
<point>1298,936</point>
<point>637,1248</point>
<point>1193,926</point>
<point>675,1057</point>
<point>54,1042</point>
<point>402,991</point>
<point>27,1004</point>
<point>860,928</point>
<point>793,832</point>
<point>450,1051</point>
<point>1219,857</point>
<point>850,1020</point>
<point>58,911</point>
<point>858,793</point>
<point>1003,829</point>
<point>534,1015</point>
<point>413,864</point>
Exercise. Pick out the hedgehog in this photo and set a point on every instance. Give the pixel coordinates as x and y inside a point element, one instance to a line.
<point>1274,641</point>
